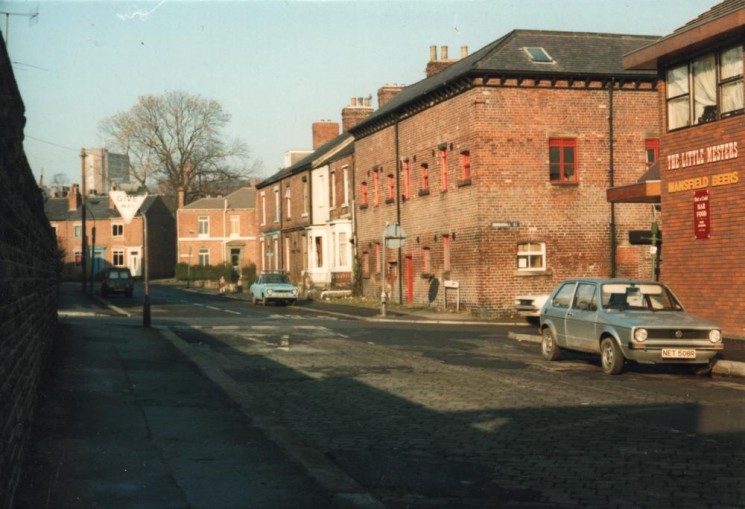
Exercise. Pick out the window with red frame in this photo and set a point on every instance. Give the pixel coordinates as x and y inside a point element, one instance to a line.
<point>365,263</point>
<point>425,178</point>
<point>652,149</point>
<point>363,193</point>
<point>376,188</point>
<point>390,193</point>
<point>426,261</point>
<point>407,179</point>
<point>562,156</point>
<point>443,169</point>
<point>465,165</point>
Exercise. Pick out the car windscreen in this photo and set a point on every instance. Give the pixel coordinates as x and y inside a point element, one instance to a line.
<point>645,296</point>
<point>276,279</point>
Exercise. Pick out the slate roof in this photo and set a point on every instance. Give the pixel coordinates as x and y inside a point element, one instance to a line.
<point>306,162</point>
<point>574,54</point>
<point>243,198</point>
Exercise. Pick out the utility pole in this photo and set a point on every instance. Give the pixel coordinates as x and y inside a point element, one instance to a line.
<point>84,254</point>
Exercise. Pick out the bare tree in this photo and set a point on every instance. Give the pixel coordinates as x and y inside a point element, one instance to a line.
<point>174,141</point>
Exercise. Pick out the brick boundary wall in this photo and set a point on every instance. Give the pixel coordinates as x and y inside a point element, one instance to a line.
<point>28,286</point>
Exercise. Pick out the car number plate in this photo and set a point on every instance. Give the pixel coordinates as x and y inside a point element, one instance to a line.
<point>678,353</point>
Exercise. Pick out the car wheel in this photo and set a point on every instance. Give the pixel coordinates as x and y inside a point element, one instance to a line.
<point>611,357</point>
<point>129,294</point>
<point>549,349</point>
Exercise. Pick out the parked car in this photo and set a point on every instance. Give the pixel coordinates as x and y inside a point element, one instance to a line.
<point>273,287</point>
<point>529,306</point>
<point>626,320</point>
<point>117,280</point>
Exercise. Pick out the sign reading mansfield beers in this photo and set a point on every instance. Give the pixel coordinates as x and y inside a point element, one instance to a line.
<point>126,204</point>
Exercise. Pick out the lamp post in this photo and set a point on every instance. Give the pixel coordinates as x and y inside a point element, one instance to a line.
<point>84,253</point>
<point>146,262</point>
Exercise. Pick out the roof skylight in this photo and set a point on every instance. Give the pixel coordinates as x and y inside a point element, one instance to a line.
<point>538,54</point>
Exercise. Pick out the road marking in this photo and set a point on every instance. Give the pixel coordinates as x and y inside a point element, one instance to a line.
<point>231,312</point>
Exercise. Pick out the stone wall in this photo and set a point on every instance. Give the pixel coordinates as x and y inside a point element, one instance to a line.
<point>28,285</point>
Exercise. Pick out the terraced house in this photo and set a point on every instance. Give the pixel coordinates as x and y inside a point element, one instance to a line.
<point>496,166</point>
<point>305,211</point>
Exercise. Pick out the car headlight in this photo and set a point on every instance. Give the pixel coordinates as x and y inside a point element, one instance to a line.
<point>640,335</point>
<point>294,292</point>
<point>715,336</point>
<point>268,291</point>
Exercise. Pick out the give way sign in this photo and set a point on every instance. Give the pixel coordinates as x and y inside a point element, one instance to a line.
<point>126,204</point>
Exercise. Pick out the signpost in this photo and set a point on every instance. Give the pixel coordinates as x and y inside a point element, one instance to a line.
<point>128,205</point>
<point>393,237</point>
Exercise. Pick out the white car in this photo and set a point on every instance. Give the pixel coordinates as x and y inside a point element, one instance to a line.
<point>530,306</point>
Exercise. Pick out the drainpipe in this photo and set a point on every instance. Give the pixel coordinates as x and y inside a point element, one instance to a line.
<point>398,210</point>
<point>611,177</point>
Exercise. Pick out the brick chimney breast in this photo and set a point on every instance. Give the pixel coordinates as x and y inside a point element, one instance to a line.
<point>388,92</point>
<point>73,198</point>
<point>324,132</point>
<point>358,110</point>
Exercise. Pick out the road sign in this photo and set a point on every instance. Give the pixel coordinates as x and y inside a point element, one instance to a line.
<point>394,235</point>
<point>126,204</point>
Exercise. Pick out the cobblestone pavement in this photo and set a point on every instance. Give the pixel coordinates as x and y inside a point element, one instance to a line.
<point>487,427</point>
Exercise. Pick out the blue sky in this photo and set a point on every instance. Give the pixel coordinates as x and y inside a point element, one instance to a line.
<point>276,66</point>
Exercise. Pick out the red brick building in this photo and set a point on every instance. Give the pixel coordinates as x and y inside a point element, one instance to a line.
<point>496,167</point>
<point>305,210</point>
<point>702,198</point>
<point>114,243</point>
<point>220,230</point>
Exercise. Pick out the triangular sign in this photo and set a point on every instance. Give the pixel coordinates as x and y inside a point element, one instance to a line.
<point>127,205</point>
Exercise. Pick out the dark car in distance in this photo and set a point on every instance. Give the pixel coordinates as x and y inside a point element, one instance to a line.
<point>117,280</point>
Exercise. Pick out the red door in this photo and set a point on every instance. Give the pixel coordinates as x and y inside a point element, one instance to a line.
<point>409,280</point>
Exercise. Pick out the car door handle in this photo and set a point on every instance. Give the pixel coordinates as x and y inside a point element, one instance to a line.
<point>570,313</point>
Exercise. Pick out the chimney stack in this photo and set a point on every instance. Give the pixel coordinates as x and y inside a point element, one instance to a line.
<point>324,132</point>
<point>436,65</point>
<point>358,110</point>
<point>388,92</point>
<point>73,198</point>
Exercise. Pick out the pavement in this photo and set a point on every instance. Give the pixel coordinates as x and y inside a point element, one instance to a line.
<point>127,419</point>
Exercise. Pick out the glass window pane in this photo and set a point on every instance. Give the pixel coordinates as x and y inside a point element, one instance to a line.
<point>554,155</point>
<point>678,113</point>
<point>732,96</point>
<point>704,89</point>
<point>677,81</point>
<point>568,155</point>
<point>732,63</point>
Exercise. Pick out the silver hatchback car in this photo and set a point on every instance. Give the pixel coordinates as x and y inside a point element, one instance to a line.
<point>622,320</point>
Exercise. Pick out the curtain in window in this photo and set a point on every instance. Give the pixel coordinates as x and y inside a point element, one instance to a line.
<point>677,93</point>
<point>704,89</point>
<point>732,91</point>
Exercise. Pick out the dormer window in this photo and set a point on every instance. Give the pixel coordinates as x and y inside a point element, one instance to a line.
<point>539,55</point>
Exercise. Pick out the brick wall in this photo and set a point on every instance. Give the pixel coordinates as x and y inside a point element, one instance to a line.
<point>706,274</point>
<point>28,286</point>
<point>505,131</point>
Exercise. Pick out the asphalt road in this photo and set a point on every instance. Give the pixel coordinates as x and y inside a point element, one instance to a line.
<point>423,415</point>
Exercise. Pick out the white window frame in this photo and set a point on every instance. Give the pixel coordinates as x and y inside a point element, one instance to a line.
<point>117,230</point>
<point>346,187</point>
<point>527,257</point>
<point>203,226</point>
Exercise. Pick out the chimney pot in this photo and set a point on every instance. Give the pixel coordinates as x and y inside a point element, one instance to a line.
<point>353,101</point>
<point>443,53</point>
<point>433,53</point>
<point>463,51</point>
